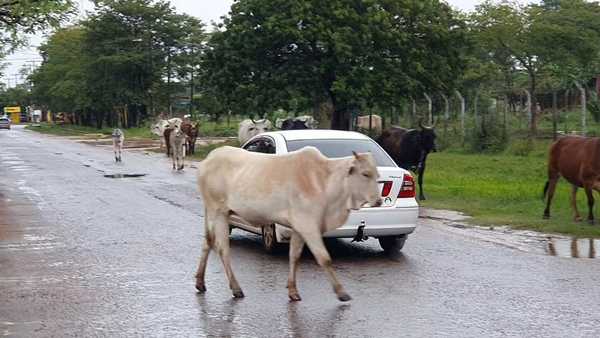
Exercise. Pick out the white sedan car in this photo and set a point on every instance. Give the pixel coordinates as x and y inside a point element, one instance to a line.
<point>391,223</point>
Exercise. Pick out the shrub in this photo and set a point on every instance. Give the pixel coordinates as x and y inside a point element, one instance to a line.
<point>594,109</point>
<point>490,137</point>
<point>521,147</point>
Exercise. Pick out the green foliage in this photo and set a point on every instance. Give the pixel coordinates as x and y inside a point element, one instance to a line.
<point>594,109</point>
<point>113,65</point>
<point>21,17</point>
<point>348,53</point>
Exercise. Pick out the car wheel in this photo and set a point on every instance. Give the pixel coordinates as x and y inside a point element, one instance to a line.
<point>392,244</point>
<point>270,242</point>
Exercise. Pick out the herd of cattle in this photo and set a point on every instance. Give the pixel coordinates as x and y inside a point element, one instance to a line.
<point>407,147</point>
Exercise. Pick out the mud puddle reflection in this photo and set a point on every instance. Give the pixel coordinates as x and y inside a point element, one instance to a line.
<point>124,175</point>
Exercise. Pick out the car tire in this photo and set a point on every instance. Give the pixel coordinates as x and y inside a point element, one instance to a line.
<point>392,244</point>
<point>270,242</point>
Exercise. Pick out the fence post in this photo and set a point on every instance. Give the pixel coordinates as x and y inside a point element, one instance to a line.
<point>554,114</point>
<point>462,113</point>
<point>583,107</point>
<point>447,107</point>
<point>429,108</point>
<point>413,112</point>
<point>529,108</point>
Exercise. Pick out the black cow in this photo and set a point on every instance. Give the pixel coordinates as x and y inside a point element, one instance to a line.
<point>293,124</point>
<point>409,148</point>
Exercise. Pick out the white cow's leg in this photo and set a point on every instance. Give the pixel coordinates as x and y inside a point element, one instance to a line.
<point>314,240</point>
<point>296,246</point>
<point>220,226</point>
<point>200,285</point>
<point>209,240</point>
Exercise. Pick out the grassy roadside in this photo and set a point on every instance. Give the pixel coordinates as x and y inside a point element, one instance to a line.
<point>503,189</point>
<point>207,129</point>
<point>74,130</point>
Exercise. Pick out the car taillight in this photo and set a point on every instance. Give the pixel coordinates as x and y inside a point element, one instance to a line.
<point>408,187</point>
<point>387,188</point>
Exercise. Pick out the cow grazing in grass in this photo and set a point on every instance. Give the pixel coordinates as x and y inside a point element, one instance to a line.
<point>118,138</point>
<point>577,159</point>
<point>376,124</point>
<point>409,148</point>
<point>177,141</point>
<point>250,128</point>
<point>191,131</point>
<point>302,190</point>
<point>159,128</point>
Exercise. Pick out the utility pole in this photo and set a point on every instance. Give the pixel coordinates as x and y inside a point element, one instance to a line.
<point>169,82</point>
<point>191,112</point>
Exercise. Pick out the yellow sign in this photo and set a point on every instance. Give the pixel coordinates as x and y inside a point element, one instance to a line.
<point>15,118</point>
<point>12,110</point>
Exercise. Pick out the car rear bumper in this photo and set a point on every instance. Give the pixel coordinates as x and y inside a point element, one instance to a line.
<point>378,222</point>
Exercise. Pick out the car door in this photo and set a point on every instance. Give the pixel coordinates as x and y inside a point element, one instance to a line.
<point>266,145</point>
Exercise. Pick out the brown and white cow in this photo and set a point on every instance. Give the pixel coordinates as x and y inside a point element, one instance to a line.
<point>302,190</point>
<point>159,128</point>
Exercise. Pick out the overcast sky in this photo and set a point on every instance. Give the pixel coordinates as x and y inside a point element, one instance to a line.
<point>206,10</point>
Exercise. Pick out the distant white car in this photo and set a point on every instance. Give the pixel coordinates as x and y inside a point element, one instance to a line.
<point>391,223</point>
<point>4,122</point>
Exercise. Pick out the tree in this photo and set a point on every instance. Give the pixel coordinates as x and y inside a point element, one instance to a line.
<point>506,28</point>
<point>59,84</point>
<point>134,44</point>
<point>345,52</point>
<point>20,17</point>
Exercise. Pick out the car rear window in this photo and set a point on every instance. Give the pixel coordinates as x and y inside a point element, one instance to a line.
<point>343,148</point>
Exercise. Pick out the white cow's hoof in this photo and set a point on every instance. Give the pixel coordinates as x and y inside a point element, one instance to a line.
<point>344,297</point>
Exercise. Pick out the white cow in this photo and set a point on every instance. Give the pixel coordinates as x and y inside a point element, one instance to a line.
<point>302,190</point>
<point>118,138</point>
<point>362,122</point>
<point>177,141</point>
<point>249,128</point>
<point>159,128</point>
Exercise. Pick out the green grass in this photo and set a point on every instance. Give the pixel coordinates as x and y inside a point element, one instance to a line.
<point>202,151</point>
<point>221,129</point>
<point>503,189</point>
<point>74,130</point>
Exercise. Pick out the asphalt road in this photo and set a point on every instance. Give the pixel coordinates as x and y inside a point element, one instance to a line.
<point>86,255</point>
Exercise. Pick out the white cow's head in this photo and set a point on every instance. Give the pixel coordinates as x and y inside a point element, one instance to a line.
<point>250,128</point>
<point>362,181</point>
<point>159,127</point>
<point>260,126</point>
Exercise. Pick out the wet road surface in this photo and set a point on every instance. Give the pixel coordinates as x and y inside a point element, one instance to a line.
<point>82,254</point>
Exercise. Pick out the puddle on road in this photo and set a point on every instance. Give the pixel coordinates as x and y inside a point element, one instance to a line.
<point>124,175</point>
<point>523,240</point>
<point>572,248</point>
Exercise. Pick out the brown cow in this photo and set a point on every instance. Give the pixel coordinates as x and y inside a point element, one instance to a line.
<point>577,159</point>
<point>191,130</point>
